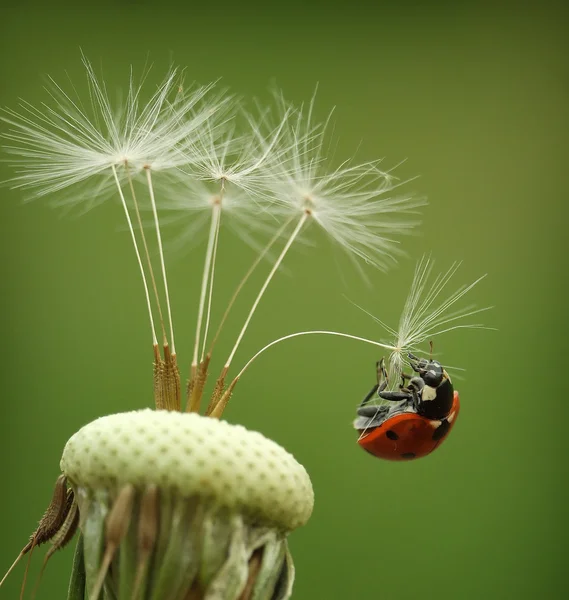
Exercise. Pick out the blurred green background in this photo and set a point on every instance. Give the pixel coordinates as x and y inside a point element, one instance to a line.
<point>475,97</point>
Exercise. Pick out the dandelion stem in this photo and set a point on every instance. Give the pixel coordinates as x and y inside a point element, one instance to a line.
<point>131,229</point>
<point>243,281</point>
<point>215,217</point>
<point>315,332</point>
<point>161,251</point>
<point>210,291</point>
<point>146,251</point>
<point>277,264</point>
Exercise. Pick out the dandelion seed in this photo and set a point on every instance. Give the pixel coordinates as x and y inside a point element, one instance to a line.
<point>352,203</point>
<point>68,142</point>
<point>222,174</point>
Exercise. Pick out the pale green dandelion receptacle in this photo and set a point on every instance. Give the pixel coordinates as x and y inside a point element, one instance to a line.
<point>170,504</point>
<point>220,501</point>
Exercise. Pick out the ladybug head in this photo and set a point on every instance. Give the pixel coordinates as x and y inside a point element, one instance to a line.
<point>431,371</point>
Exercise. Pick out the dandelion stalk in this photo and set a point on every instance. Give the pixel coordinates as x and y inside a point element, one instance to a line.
<point>260,256</point>
<point>263,289</point>
<point>199,371</point>
<point>219,397</point>
<point>161,253</point>
<point>146,252</point>
<point>210,291</point>
<point>166,373</point>
<point>315,332</point>
<point>138,258</point>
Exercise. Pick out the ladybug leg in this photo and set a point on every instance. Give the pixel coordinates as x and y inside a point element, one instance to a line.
<point>391,396</point>
<point>371,411</point>
<point>370,395</point>
<point>395,396</point>
<point>417,364</point>
<point>380,385</point>
<point>416,399</point>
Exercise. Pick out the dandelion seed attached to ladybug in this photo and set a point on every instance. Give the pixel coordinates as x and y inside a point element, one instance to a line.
<point>169,503</point>
<point>414,419</point>
<point>408,415</point>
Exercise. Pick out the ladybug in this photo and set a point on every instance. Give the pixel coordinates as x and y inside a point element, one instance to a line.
<point>420,415</point>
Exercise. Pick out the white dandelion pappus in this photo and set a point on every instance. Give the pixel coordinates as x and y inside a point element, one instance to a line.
<point>225,168</point>
<point>69,141</point>
<point>220,155</point>
<point>427,314</point>
<point>354,204</point>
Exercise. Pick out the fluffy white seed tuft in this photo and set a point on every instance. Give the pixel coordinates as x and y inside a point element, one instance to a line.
<point>428,312</point>
<point>356,205</point>
<point>69,139</point>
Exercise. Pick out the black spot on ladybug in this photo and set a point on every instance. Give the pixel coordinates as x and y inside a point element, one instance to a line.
<point>391,434</point>
<point>441,431</point>
<point>408,455</point>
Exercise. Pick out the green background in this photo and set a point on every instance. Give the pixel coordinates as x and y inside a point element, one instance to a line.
<point>475,98</point>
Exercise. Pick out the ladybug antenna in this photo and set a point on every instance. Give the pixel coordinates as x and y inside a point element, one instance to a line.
<point>431,349</point>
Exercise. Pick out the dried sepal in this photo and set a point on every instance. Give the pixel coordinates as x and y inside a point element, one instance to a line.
<point>49,524</point>
<point>53,517</point>
<point>64,534</point>
<point>69,526</point>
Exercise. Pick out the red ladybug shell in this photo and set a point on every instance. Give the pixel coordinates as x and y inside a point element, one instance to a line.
<point>406,436</point>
